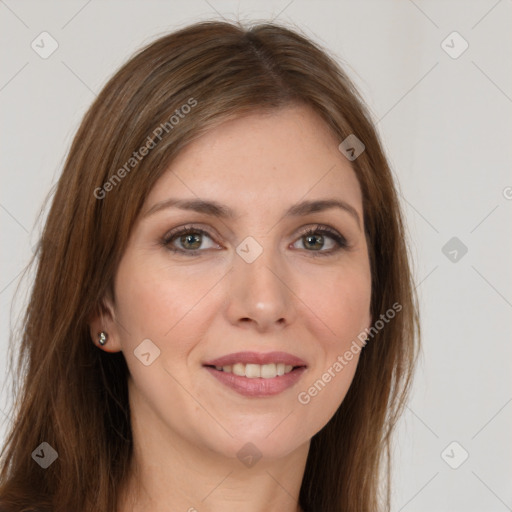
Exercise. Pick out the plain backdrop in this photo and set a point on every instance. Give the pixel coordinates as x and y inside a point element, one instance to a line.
<point>437,78</point>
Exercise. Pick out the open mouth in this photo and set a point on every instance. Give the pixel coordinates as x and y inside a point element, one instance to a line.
<point>255,371</point>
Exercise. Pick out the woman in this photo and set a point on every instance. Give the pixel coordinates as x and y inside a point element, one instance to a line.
<point>223,314</point>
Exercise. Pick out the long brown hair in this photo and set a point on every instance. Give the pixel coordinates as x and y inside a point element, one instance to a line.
<point>73,395</point>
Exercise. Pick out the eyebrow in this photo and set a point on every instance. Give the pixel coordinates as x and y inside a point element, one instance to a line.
<point>215,209</point>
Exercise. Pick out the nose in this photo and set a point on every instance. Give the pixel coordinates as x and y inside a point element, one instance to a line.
<point>261,293</point>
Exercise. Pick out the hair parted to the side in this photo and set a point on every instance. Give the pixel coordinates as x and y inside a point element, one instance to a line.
<point>74,395</point>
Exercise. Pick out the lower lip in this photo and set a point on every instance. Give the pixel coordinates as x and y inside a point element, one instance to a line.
<point>258,387</point>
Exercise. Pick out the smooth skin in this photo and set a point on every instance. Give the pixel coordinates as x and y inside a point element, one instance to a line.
<point>302,295</point>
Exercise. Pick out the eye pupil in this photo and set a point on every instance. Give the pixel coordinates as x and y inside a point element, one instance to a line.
<point>315,237</point>
<point>186,239</point>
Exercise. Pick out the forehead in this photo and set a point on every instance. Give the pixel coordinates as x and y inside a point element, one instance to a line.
<point>262,159</point>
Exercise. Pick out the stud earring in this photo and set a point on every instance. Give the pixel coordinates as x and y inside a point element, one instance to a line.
<point>103,336</point>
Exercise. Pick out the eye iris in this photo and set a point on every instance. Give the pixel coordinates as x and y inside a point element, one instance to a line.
<point>315,238</point>
<point>186,238</point>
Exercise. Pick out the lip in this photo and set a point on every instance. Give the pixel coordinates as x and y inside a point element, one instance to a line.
<point>258,387</point>
<point>257,358</point>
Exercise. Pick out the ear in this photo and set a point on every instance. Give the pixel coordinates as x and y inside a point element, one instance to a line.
<point>103,320</point>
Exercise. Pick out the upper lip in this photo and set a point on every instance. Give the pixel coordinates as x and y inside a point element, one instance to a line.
<point>256,358</point>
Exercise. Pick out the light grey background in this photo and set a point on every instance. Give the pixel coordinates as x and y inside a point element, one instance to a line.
<point>446,125</point>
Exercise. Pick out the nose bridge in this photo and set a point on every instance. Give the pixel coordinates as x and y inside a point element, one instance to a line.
<point>259,290</point>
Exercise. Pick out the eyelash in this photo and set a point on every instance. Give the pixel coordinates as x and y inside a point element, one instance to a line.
<point>318,230</point>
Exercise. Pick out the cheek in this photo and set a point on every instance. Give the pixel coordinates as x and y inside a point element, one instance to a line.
<point>326,387</point>
<point>338,301</point>
<point>339,308</point>
<point>324,393</point>
<point>148,299</point>
<point>164,304</point>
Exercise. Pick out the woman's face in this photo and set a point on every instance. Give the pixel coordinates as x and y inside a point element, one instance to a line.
<point>250,283</point>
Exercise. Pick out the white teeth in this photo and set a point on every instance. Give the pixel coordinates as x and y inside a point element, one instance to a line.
<point>268,371</point>
<point>254,371</point>
<point>239,369</point>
